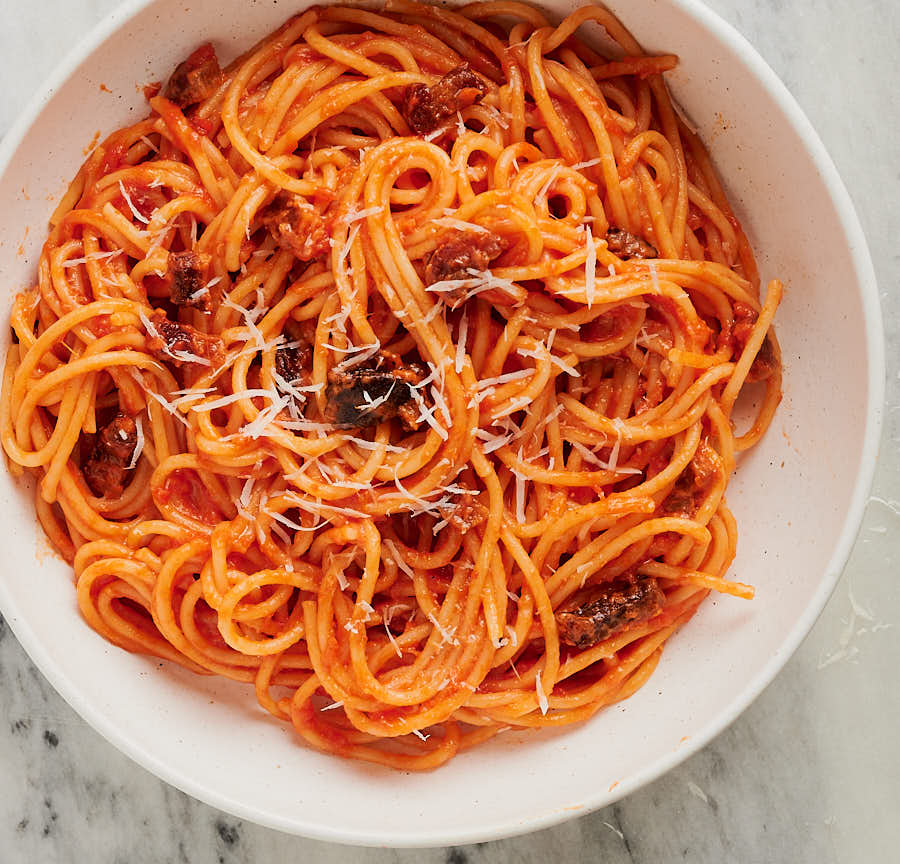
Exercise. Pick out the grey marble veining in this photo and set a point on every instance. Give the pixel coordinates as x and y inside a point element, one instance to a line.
<point>810,773</point>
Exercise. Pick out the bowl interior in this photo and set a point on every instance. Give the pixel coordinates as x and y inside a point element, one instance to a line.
<point>797,497</point>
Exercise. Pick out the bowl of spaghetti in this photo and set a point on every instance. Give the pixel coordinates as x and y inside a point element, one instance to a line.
<point>419,414</point>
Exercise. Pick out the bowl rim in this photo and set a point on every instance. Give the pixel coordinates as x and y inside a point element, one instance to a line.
<point>875,358</point>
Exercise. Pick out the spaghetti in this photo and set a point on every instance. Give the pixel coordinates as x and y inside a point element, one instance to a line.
<point>391,370</point>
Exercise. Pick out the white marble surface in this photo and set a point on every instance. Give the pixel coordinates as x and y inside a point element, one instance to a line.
<point>810,773</point>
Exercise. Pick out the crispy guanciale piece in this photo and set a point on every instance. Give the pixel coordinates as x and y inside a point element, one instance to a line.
<point>107,467</point>
<point>454,259</point>
<point>598,612</point>
<point>176,343</point>
<point>366,395</point>
<point>291,362</point>
<point>195,79</point>
<point>460,250</point>
<point>297,226</point>
<point>627,245</point>
<point>188,271</point>
<point>425,108</point>
<point>693,483</point>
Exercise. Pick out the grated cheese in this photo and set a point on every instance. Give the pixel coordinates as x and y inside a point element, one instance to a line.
<point>446,635</point>
<point>590,267</point>
<point>250,323</point>
<point>493,442</point>
<point>318,506</point>
<point>505,378</point>
<point>139,446</point>
<point>589,164</point>
<point>520,493</point>
<point>354,215</point>
<point>345,249</point>
<point>545,189</point>
<point>234,397</point>
<point>374,445</point>
<point>392,640</point>
<point>541,696</point>
<point>516,404</point>
<point>137,213</point>
<point>426,414</point>
<point>398,559</point>
<point>441,404</point>
<point>497,115</point>
<point>94,256</point>
<point>450,222</point>
<point>168,406</point>
<point>654,276</point>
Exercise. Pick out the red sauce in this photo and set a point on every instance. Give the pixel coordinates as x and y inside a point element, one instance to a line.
<point>184,491</point>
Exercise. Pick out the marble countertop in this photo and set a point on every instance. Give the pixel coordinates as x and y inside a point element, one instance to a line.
<point>809,773</point>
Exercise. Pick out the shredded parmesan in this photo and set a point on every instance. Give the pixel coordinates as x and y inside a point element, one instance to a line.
<point>505,378</point>
<point>541,696</point>
<point>252,329</point>
<point>450,222</point>
<point>589,164</point>
<point>345,250</point>
<point>590,267</point>
<point>354,215</point>
<point>94,256</point>
<point>398,559</point>
<point>139,446</point>
<point>654,276</point>
<point>137,213</point>
<point>545,189</point>
<point>168,406</point>
<point>234,397</point>
<point>520,493</point>
<point>446,635</point>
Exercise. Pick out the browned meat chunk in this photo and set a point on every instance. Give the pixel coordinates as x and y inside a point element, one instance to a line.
<point>459,251</point>
<point>292,361</point>
<point>693,482</point>
<point>188,272</point>
<point>601,611</point>
<point>195,79</point>
<point>458,254</point>
<point>627,245</point>
<point>365,396</point>
<point>425,108</point>
<point>107,468</point>
<point>297,226</point>
<point>173,342</point>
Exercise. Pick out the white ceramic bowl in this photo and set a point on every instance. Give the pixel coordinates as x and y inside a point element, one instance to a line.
<point>798,497</point>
